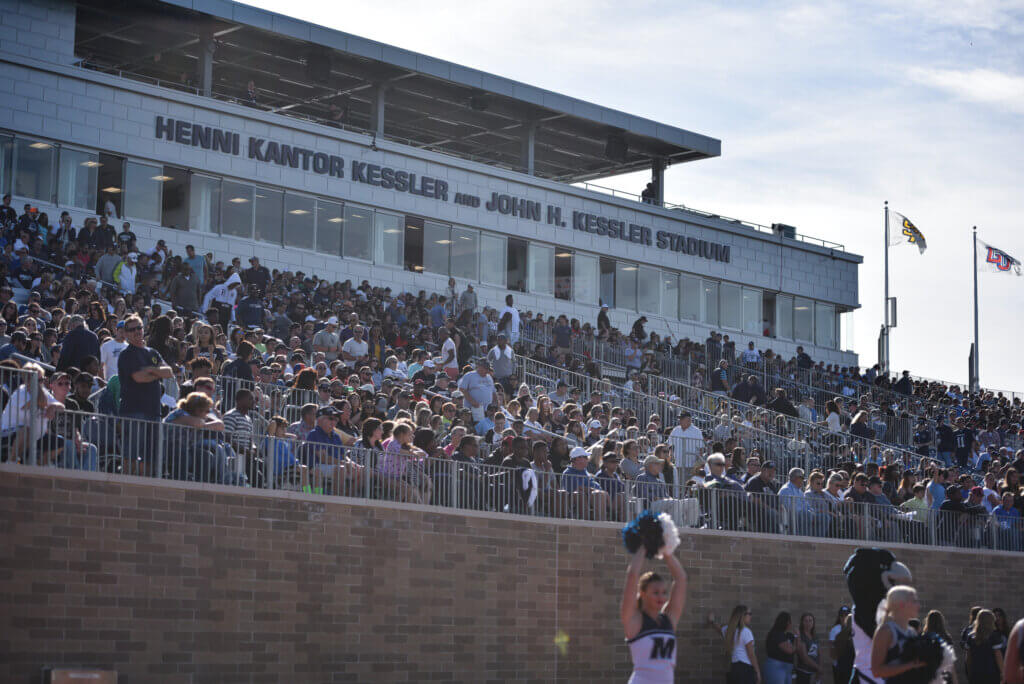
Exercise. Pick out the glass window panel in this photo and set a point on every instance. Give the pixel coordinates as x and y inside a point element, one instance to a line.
<point>300,216</point>
<point>413,244</point>
<point>143,191</point>
<point>542,269</point>
<point>437,244</point>
<point>328,228</point>
<point>784,317</point>
<point>563,273</point>
<point>586,279</point>
<point>236,209</point>
<point>358,234</point>
<point>710,309</point>
<point>730,306</point>
<point>110,184</point>
<point>669,295</point>
<point>689,300</point>
<point>803,320</point>
<point>752,312</point>
<point>492,259</point>
<point>204,204</point>
<point>824,325</point>
<point>33,169</point>
<point>6,162</point>
<point>648,290</point>
<point>174,198</point>
<point>516,265</point>
<point>76,178</point>
<point>269,222</point>
<point>625,286</point>
<point>389,237</point>
<point>608,283</point>
<point>465,253</point>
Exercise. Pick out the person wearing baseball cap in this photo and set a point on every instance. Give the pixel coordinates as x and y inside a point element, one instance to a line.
<point>611,481</point>
<point>586,492</point>
<point>650,484</point>
<point>327,457</point>
<point>594,429</point>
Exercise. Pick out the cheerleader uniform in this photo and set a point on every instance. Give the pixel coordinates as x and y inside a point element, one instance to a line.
<point>862,645</point>
<point>653,651</point>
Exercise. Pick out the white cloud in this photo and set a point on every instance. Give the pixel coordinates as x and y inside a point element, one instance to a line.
<point>986,86</point>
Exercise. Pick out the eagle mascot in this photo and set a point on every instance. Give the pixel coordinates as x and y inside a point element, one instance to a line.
<point>870,573</point>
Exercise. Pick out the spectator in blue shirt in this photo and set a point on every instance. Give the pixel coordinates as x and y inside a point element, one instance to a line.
<point>437,314</point>
<point>326,455</point>
<point>611,481</point>
<point>586,491</point>
<point>649,484</point>
<point>936,490</point>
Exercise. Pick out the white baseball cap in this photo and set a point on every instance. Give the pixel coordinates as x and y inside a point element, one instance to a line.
<point>333,320</point>
<point>595,425</point>
<point>578,452</point>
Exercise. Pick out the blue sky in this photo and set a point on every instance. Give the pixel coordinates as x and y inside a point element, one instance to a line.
<point>824,110</point>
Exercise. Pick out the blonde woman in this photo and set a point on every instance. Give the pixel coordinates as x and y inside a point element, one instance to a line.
<point>649,611</point>
<point>739,644</point>
<point>895,613</point>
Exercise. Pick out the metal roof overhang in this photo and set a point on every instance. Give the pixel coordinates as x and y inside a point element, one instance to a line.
<point>429,103</point>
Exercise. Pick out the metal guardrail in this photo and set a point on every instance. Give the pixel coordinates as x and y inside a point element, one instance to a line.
<point>175,452</point>
<point>586,185</point>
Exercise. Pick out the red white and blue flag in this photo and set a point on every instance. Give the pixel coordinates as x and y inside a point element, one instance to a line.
<point>994,259</point>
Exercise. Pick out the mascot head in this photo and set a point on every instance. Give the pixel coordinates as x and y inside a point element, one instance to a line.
<point>870,573</point>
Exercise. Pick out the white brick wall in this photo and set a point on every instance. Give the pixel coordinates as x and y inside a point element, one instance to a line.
<point>117,115</point>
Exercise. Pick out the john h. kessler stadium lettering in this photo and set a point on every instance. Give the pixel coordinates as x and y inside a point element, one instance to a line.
<point>387,178</point>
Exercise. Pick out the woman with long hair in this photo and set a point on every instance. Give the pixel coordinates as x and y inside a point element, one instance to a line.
<point>650,610</point>
<point>985,650</point>
<point>779,650</point>
<point>808,652</point>
<point>206,347</point>
<point>899,607</point>
<point>739,644</point>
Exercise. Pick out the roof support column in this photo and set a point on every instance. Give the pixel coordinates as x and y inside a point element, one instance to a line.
<point>377,113</point>
<point>658,178</point>
<point>208,46</point>
<point>527,157</point>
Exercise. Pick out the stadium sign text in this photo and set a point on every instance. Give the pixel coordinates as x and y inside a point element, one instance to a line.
<point>398,180</point>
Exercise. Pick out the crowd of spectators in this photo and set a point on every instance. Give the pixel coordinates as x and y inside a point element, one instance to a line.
<point>270,378</point>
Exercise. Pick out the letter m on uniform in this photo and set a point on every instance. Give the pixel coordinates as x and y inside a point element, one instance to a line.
<point>662,648</point>
<point>999,258</point>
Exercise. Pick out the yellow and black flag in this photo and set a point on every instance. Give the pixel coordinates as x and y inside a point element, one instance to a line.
<point>905,232</point>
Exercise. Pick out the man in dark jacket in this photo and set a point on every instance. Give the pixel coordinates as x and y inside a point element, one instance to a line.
<point>79,343</point>
<point>782,404</point>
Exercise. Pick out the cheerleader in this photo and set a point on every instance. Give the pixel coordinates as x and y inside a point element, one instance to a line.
<point>650,611</point>
<point>895,613</point>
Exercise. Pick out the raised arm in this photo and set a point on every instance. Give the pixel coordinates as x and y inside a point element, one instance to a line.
<point>677,599</point>
<point>629,611</point>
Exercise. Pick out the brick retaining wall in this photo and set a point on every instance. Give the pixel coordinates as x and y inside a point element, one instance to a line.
<point>171,582</point>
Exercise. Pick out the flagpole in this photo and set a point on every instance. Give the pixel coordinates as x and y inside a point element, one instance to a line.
<point>885,303</point>
<point>977,361</point>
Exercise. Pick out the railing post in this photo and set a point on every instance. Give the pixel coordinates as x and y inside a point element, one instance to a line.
<point>159,465</point>
<point>454,483</point>
<point>33,436</point>
<point>713,504</point>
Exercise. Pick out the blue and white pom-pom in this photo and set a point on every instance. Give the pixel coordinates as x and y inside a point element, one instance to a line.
<point>655,532</point>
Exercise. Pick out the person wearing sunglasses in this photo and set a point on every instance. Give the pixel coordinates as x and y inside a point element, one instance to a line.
<point>141,371</point>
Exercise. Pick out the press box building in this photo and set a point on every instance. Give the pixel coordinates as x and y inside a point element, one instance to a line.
<point>244,132</point>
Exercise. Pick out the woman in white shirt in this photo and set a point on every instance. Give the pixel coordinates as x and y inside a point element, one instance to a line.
<point>832,419</point>
<point>739,644</point>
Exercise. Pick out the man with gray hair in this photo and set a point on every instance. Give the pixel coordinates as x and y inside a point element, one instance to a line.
<point>79,343</point>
